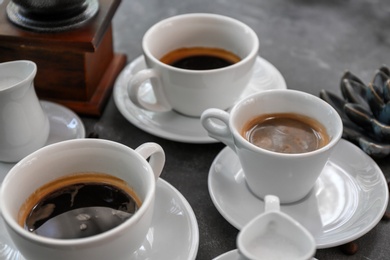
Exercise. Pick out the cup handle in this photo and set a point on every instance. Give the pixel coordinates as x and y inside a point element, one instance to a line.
<point>272,203</point>
<point>216,122</point>
<point>134,86</point>
<point>156,156</point>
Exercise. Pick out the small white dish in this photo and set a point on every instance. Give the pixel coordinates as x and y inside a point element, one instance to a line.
<point>348,200</point>
<point>233,255</point>
<point>64,125</point>
<point>174,126</point>
<point>230,255</point>
<point>174,233</point>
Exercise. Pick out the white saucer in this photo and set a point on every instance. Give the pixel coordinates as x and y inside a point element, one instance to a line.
<point>174,233</point>
<point>233,255</point>
<point>64,125</point>
<point>174,126</point>
<point>349,198</point>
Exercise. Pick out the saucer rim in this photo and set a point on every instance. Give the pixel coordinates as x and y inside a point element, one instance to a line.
<point>120,101</point>
<point>161,185</point>
<point>81,133</point>
<point>190,215</point>
<point>358,234</point>
<point>234,255</point>
<point>229,255</point>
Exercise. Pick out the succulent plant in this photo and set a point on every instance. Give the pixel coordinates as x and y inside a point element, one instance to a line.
<point>365,111</point>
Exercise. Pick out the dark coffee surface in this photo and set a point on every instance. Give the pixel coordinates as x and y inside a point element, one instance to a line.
<point>89,208</point>
<point>201,62</point>
<point>200,58</point>
<point>286,133</point>
<point>75,209</point>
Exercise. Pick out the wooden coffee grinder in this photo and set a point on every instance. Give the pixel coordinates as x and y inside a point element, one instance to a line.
<point>71,42</point>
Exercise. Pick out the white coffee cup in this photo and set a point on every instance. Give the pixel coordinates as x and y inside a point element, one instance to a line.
<point>288,176</point>
<point>83,155</point>
<point>190,92</point>
<point>24,127</point>
<point>275,235</point>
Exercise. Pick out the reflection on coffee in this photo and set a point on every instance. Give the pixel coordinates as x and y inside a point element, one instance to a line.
<point>200,58</point>
<point>286,133</point>
<point>78,205</point>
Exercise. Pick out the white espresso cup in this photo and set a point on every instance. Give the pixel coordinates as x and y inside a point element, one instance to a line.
<point>275,235</point>
<point>286,175</point>
<point>24,127</point>
<point>189,91</point>
<point>83,156</point>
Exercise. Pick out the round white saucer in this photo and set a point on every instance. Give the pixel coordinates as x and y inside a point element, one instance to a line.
<point>233,255</point>
<point>174,126</point>
<point>174,232</point>
<point>64,125</point>
<point>349,198</point>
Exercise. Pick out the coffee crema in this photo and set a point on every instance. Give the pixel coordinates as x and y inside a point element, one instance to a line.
<point>200,58</point>
<point>78,205</point>
<point>286,133</point>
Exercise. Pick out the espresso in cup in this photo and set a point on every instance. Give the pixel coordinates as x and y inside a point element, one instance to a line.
<point>101,165</point>
<point>209,60</point>
<point>200,58</point>
<point>307,123</point>
<point>286,133</point>
<point>79,205</point>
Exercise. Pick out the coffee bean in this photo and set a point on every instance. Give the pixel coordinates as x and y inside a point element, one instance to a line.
<point>93,135</point>
<point>350,248</point>
<point>386,216</point>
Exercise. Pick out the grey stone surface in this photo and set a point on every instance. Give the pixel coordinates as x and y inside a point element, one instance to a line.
<point>311,42</point>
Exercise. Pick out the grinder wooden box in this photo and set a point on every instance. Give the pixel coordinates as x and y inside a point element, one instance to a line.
<point>76,68</point>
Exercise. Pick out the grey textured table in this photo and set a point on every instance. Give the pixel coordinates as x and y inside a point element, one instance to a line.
<point>310,42</point>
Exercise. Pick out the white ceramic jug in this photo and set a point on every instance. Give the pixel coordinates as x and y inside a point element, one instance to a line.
<point>24,127</point>
<point>275,235</point>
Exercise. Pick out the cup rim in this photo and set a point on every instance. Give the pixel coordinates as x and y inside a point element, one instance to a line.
<point>251,55</point>
<point>237,136</point>
<point>27,78</point>
<point>79,242</point>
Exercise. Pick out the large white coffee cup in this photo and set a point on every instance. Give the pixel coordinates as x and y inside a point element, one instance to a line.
<point>83,155</point>
<point>190,92</point>
<point>288,176</point>
<point>24,127</point>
